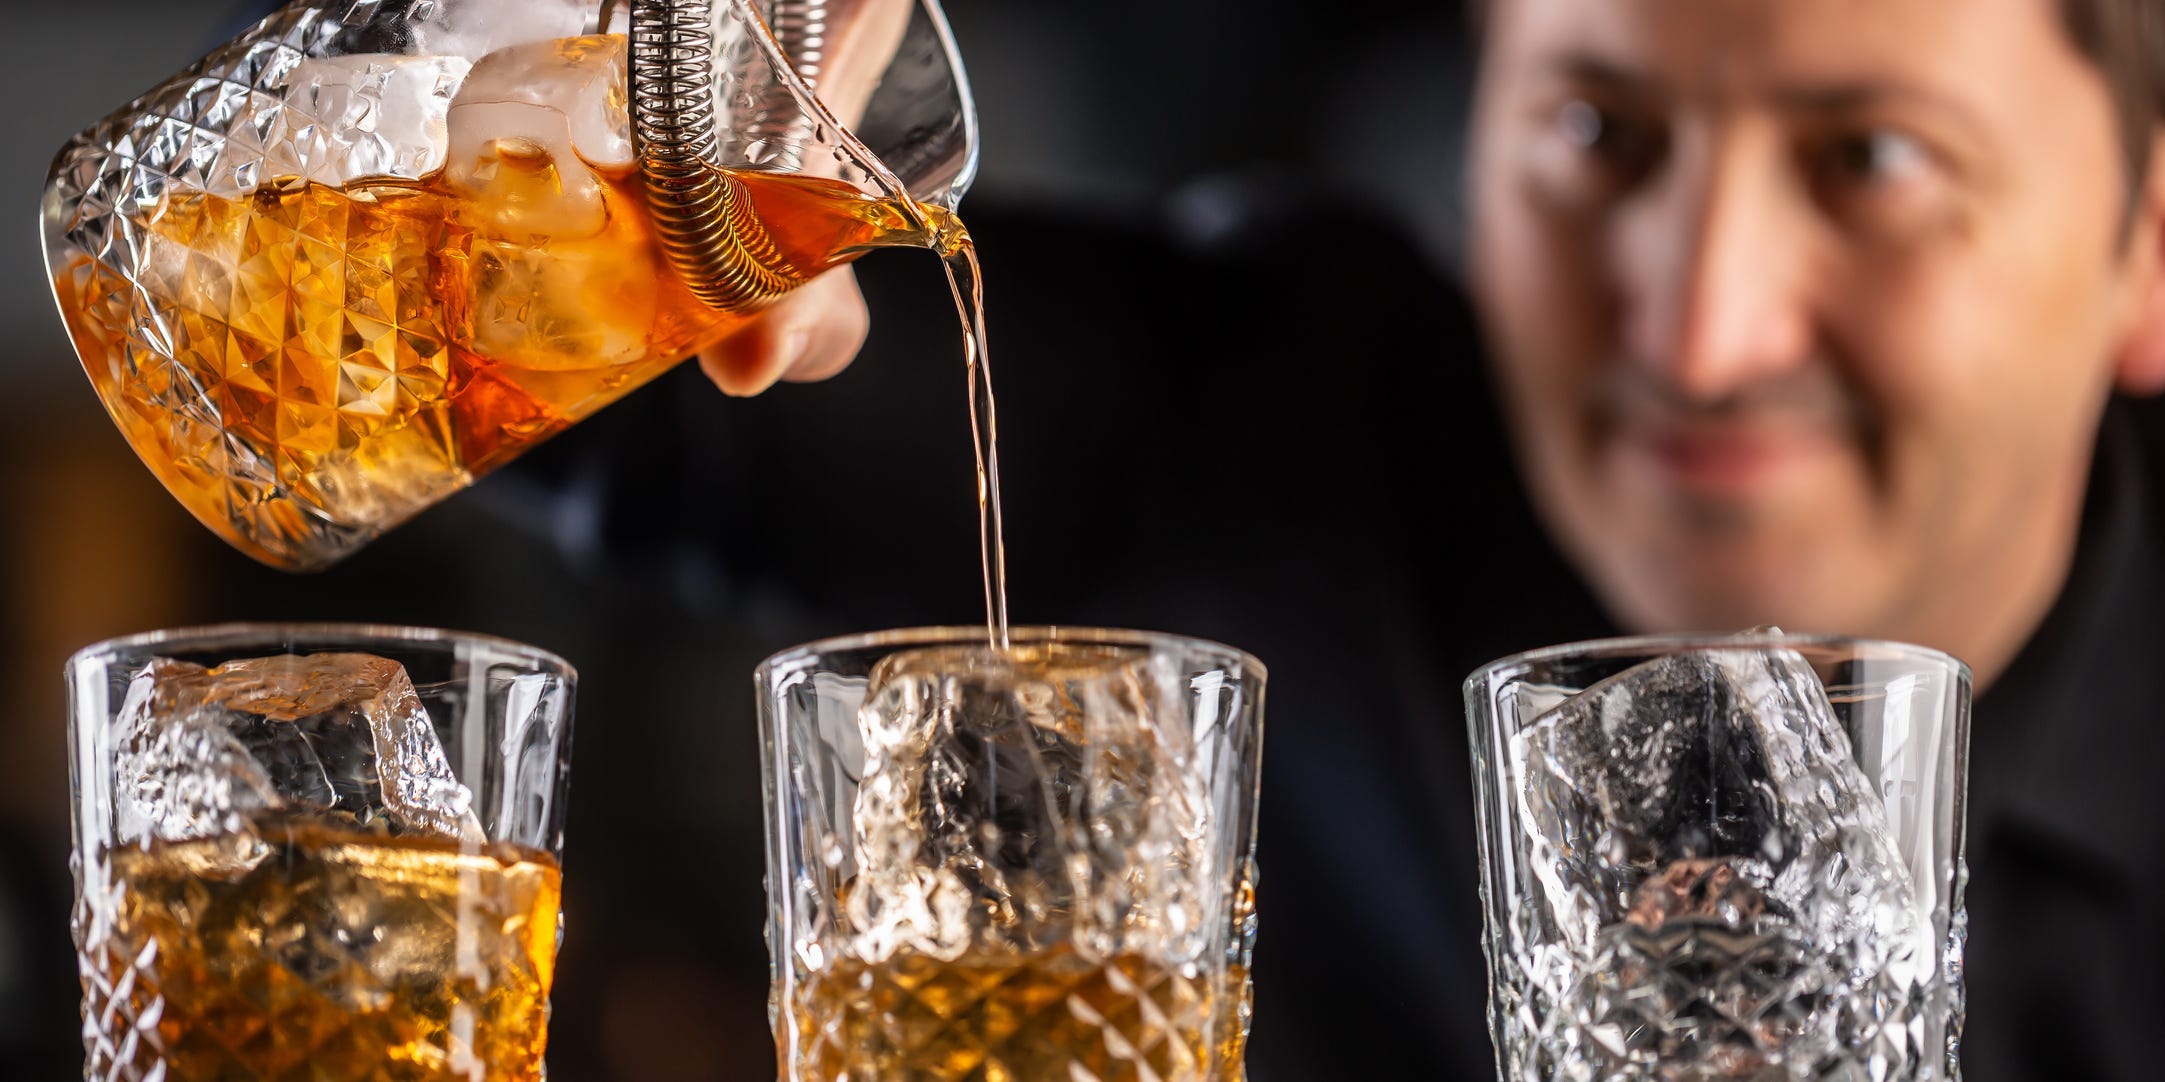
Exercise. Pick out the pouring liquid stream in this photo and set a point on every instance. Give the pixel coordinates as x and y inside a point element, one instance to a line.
<point>916,224</point>
<point>965,278</point>
<point>940,230</point>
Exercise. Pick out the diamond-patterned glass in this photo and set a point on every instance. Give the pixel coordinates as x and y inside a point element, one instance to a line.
<point>1032,865</point>
<point>280,872</point>
<point>1736,857</point>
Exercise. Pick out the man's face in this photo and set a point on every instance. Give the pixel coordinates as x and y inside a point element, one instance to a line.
<point>1804,310</point>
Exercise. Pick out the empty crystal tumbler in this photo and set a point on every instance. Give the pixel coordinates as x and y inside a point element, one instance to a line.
<point>1722,857</point>
<point>370,250</point>
<point>1032,864</point>
<point>317,851</point>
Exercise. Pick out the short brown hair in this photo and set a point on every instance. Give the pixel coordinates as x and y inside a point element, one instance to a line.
<point>2125,39</point>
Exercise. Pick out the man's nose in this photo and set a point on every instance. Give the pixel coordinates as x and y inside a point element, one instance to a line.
<point>1714,273</point>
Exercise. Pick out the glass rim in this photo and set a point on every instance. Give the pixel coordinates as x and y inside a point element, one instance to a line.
<point>956,634</point>
<point>217,636</point>
<point>1670,642</point>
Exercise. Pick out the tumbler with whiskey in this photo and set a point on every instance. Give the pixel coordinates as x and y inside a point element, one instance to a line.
<point>1030,862</point>
<point>317,851</point>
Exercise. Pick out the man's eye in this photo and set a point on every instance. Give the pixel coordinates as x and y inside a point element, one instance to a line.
<point>1880,181</point>
<point>1876,157</point>
<point>1628,144</point>
<point>1582,125</point>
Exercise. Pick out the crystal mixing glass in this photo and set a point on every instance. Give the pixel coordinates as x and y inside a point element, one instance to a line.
<point>372,249</point>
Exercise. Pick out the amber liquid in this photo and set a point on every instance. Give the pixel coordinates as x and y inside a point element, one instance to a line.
<point>966,279</point>
<point>338,956</point>
<point>1051,1017</point>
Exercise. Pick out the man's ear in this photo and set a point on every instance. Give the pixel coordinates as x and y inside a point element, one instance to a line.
<point>2140,369</point>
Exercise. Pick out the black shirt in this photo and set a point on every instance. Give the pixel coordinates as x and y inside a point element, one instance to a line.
<point>2067,809</point>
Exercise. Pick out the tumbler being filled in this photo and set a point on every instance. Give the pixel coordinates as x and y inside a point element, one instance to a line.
<point>1032,864</point>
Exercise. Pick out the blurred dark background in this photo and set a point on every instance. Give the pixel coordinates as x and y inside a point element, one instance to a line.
<point>667,592</point>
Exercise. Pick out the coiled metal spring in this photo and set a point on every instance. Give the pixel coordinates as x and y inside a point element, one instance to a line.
<point>801,28</point>
<point>778,120</point>
<point>703,217</point>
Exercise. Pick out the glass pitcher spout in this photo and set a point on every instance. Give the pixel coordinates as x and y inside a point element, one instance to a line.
<point>686,90</point>
<point>372,249</point>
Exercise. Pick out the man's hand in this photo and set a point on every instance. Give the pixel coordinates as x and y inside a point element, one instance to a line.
<point>809,335</point>
<point>816,331</point>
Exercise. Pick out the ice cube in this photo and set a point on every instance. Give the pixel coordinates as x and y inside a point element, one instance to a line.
<point>474,28</point>
<point>526,124</point>
<point>180,773</point>
<point>1016,799</point>
<point>1717,754</point>
<point>561,305</point>
<point>341,119</point>
<point>557,286</point>
<point>205,751</point>
<point>1725,897</point>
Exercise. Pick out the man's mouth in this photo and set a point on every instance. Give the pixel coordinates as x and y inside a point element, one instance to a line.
<point>1728,459</point>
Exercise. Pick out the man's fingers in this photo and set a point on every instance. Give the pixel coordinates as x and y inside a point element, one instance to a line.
<point>836,323</point>
<point>810,334</point>
<point>862,36</point>
<point>816,332</point>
